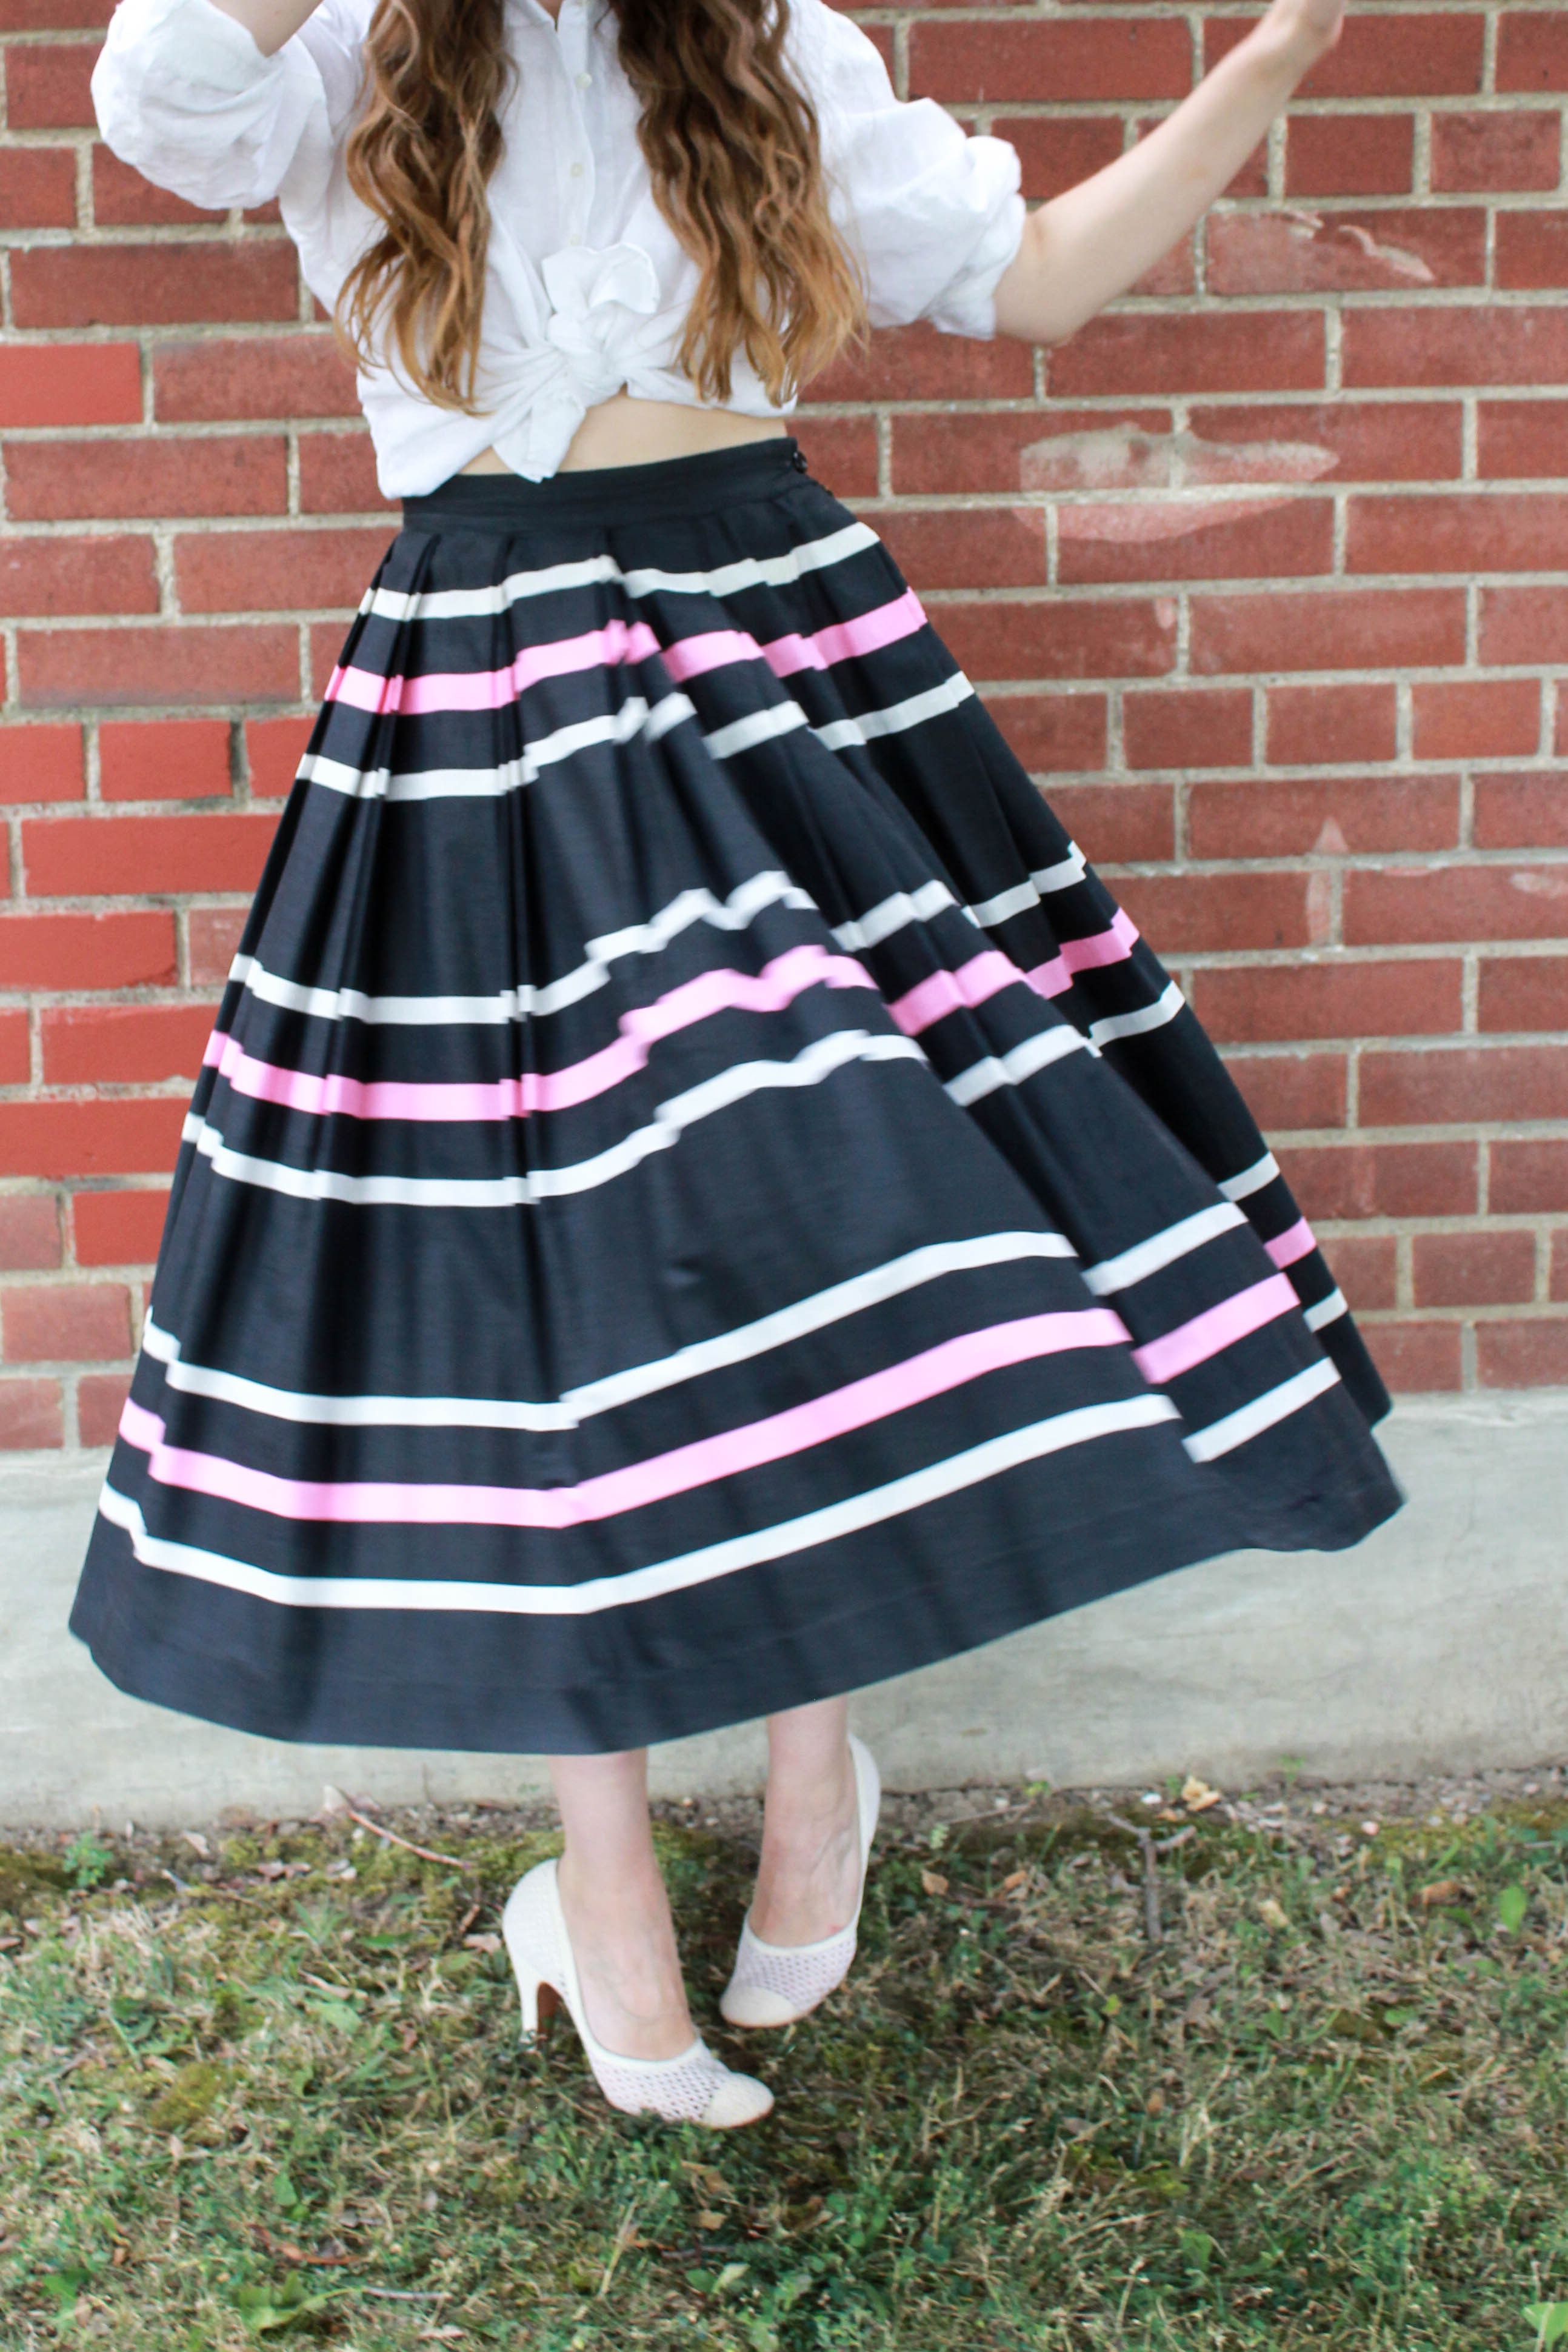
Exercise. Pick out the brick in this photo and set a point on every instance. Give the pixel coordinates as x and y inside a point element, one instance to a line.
<point>41,763</point>
<point>1414,1358</point>
<point>100,1401</point>
<point>50,576</point>
<point>1365,1265</point>
<point>1524,993</point>
<point>327,647</point>
<point>1382,1180</point>
<point>1113,821</point>
<point>171,758</point>
<point>1457,902</point>
<point>90,856</point>
<point>70,383</point>
<point>1404,57</point>
<point>1338,628</point>
<point>29,1232</point>
<point>1521,438</point>
<point>1317,725</point>
<point>1304,252</point>
<point>273,748</point>
<point>119,1228</point>
<point>841,451</point>
<point>1473,1269</point>
<point>37,187</point>
<point>176,664</point>
<point>1462,345</point>
<point>1330,816</point>
<point>1531,250</point>
<point>1351,440</point>
<point>213,933</point>
<point>1486,153</point>
<point>1514,812</point>
<point>1470,1083</point>
<point>1468,718</point>
<point>16,1054</point>
<point>1350,154</point>
<point>46,87</point>
<point>1130,638</point>
<point>1558,1283</point>
<point>1037,450</point>
<point>337,472</point>
<point>122,198</point>
<point>1188,727</point>
<point>297,376</point>
<point>32,1413</point>
<point>920,362</point>
<point>1484,530</point>
<point>1528,1179</point>
<point>121,1138</point>
<point>53,15</point>
<point>1058,151</point>
<point>1524,624</point>
<point>274,570</point>
<point>1293,1091</point>
<point>1201,913</point>
<point>1176,272</point>
<point>1533,50</point>
<point>1049,732</point>
<point>1265,351</point>
<point>81,951</point>
<point>995,61</point>
<point>154,285</point>
<point>1264,1003</point>
<point>58,1322</point>
<point>1194,536</point>
<point>232,474</point>
<point>955,547</point>
<point>123,1045</point>
<point>1530,1352</point>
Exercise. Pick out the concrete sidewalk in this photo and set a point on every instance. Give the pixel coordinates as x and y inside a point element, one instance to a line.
<point>1440,1644</point>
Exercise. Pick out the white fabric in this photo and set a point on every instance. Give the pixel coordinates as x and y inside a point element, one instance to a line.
<point>587,287</point>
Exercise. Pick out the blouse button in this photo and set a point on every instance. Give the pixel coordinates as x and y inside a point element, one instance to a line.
<point>583,80</point>
<point>577,171</point>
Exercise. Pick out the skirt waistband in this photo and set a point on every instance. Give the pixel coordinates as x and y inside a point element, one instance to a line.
<point>698,484</point>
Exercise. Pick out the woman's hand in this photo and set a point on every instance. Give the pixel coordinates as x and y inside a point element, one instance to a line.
<point>1312,26</point>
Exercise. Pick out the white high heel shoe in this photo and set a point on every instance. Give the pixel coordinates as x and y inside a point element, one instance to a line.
<point>773,1984</point>
<point>694,2088</point>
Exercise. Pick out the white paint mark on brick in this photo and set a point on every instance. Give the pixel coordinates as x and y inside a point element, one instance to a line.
<point>1331,842</point>
<point>1122,457</point>
<point>1537,885</point>
<point>1132,524</point>
<point>1320,904</point>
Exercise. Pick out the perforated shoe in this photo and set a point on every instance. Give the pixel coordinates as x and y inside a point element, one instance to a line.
<point>773,1984</point>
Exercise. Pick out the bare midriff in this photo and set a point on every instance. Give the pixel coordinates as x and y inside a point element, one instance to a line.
<point>625,431</point>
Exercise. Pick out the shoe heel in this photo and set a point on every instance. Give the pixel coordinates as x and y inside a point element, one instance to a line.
<point>539,2002</point>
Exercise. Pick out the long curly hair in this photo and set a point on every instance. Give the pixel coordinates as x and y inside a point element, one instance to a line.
<point>733,151</point>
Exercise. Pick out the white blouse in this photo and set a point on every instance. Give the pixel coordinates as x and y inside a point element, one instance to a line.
<point>587,286</point>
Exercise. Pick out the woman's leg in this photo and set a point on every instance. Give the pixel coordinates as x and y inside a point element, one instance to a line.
<point>807,1879</point>
<point>616,1909</point>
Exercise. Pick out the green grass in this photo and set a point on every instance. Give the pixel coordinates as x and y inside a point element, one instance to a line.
<point>1319,2113</point>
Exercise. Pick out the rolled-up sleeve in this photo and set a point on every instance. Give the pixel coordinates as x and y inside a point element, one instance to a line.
<point>183,94</point>
<point>933,215</point>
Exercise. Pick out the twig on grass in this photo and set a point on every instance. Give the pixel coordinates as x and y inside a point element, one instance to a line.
<point>448,1861</point>
<point>1150,1848</point>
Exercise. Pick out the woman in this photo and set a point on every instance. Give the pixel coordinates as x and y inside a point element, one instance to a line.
<point>697,1198</point>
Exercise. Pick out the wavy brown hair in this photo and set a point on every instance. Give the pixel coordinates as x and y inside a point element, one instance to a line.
<point>732,147</point>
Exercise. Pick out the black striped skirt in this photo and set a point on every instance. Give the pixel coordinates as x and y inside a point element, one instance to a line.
<point>697,1198</point>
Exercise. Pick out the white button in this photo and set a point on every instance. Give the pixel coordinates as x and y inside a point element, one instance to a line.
<point>583,79</point>
<point>574,239</point>
<point>577,171</point>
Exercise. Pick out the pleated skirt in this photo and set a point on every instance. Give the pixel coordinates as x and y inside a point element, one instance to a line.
<point>697,1198</point>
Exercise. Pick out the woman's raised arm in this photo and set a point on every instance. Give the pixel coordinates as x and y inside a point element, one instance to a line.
<point>269,22</point>
<point>1095,241</point>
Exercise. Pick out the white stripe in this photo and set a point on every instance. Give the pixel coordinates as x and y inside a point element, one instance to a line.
<point>632,718</point>
<point>1161,1249</point>
<point>1273,1405</point>
<point>897,716</point>
<point>1251,1179</point>
<point>1327,1310</point>
<point>1132,1025</point>
<point>1024,894</point>
<point>736,913</point>
<point>1036,1053</point>
<point>825,1526</point>
<point>818,1061</point>
<point>869,930</point>
<point>853,1297</point>
<point>747,571</point>
<point>759,727</point>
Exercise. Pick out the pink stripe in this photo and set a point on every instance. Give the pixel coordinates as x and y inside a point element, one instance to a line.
<point>1286,1248</point>
<point>1192,1343</point>
<point>931,1374</point>
<point>842,640</point>
<point>1113,946</point>
<point>770,991</point>
<point>945,992</point>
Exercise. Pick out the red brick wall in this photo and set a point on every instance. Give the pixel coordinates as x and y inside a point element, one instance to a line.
<point>1265,575</point>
